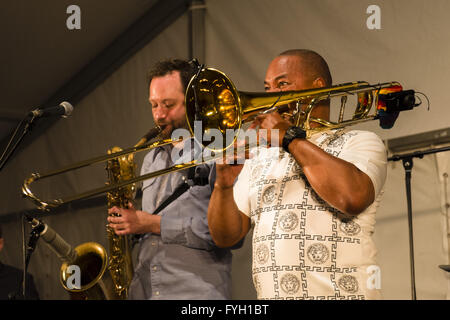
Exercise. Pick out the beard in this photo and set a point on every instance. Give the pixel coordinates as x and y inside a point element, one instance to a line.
<point>169,127</point>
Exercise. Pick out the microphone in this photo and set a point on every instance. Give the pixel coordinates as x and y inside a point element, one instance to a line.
<point>64,110</point>
<point>63,250</point>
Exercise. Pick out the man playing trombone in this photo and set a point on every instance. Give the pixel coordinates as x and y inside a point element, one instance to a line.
<point>177,258</point>
<point>312,201</point>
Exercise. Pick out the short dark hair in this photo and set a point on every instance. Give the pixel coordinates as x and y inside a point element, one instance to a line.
<point>161,68</point>
<point>315,64</point>
<point>1,233</point>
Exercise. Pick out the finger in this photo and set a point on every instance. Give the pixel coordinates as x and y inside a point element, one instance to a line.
<point>260,118</point>
<point>115,220</point>
<point>256,122</point>
<point>122,232</point>
<point>286,116</point>
<point>131,205</point>
<point>253,125</point>
<point>114,227</point>
<point>265,123</point>
<point>116,211</point>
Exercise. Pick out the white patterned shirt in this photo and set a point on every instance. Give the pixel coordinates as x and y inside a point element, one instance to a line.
<point>302,247</point>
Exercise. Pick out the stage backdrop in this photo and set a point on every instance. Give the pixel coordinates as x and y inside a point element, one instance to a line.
<point>411,47</point>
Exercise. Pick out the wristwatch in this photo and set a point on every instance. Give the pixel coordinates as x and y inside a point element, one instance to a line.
<point>291,134</point>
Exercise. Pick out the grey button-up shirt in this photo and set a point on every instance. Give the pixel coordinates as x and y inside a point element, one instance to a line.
<point>182,262</point>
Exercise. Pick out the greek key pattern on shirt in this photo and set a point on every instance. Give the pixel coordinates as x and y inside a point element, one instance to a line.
<point>302,281</point>
<point>261,172</point>
<point>348,283</point>
<point>267,195</point>
<point>317,253</point>
<point>335,139</point>
<point>300,268</point>
<point>316,237</point>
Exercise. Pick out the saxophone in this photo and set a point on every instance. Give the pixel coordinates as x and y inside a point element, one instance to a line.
<point>120,261</point>
<point>111,282</point>
<point>102,277</point>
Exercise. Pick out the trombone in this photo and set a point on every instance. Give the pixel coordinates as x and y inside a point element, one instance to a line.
<point>212,100</point>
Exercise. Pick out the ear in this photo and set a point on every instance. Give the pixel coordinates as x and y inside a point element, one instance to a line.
<point>1,244</point>
<point>319,83</point>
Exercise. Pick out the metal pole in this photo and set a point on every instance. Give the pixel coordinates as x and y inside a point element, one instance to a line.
<point>408,164</point>
<point>197,30</point>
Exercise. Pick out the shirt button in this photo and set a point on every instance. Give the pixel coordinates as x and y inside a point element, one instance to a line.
<point>153,243</point>
<point>157,293</point>
<point>155,268</point>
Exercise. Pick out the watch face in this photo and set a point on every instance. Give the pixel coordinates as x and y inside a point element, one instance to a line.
<point>297,132</point>
<point>291,134</point>
<point>289,131</point>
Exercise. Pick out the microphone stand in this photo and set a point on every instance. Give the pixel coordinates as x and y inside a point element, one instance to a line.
<point>6,155</point>
<point>407,160</point>
<point>36,228</point>
<point>447,206</point>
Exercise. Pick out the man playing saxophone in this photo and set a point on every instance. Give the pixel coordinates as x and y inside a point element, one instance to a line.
<point>177,259</point>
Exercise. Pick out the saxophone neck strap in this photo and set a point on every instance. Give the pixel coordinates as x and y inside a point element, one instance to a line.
<point>182,188</point>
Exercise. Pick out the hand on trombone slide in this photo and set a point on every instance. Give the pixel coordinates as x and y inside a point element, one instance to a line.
<point>271,127</point>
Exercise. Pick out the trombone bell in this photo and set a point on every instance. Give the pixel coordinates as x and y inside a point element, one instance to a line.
<point>213,102</point>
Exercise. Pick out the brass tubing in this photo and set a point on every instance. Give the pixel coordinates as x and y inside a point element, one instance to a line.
<point>212,99</point>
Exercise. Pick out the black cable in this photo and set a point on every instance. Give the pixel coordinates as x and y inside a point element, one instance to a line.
<point>25,131</point>
<point>24,254</point>
<point>11,140</point>
<point>428,101</point>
